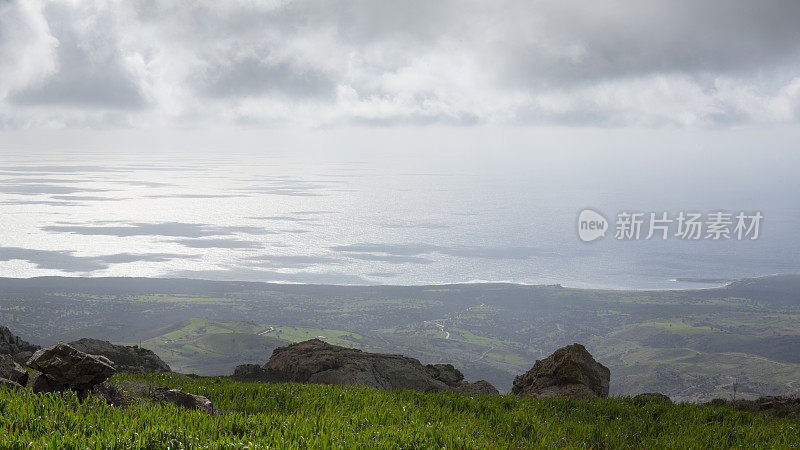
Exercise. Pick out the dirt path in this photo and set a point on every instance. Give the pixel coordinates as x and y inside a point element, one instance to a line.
<point>484,354</point>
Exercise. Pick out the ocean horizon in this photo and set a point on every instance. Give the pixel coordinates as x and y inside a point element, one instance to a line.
<point>361,219</point>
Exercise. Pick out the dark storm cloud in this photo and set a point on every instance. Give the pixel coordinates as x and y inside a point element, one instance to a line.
<point>687,36</point>
<point>91,71</point>
<point>620,62</point>
<point>169,229</point>
<point>67,261</point>
<point>254,77</point>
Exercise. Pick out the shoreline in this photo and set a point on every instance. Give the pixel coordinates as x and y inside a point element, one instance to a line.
<point>717,283</point>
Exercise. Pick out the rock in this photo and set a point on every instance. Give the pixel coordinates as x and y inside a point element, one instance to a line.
<point>188,401</point>
<point>23,357</point>
<point>780,406</point>
<point>249,372</point>
<point>11,370</point>
<point>453,377</point>
<point>66,366</point>
<point>14,346</point>
<point>569,372</point>
<point>478,387</point>
<point>652,396</point>
<point>445,373</point>
<point>43,384</point>
<point>133,359</point>
<point>774,405</point>
<point>9,384</point>
<point>315,361</point>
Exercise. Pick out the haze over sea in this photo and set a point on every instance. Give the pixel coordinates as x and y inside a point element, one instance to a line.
<point>371,217</point>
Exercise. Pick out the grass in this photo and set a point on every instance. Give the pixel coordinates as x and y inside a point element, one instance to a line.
<point>299,334</point>
<point>252,415</point>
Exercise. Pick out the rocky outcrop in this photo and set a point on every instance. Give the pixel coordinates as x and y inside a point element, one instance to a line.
<point>249,372</point>
<point>569,372</point>
<point>133,359</point>
<point>778,406</point>
<point>478,387</point>
<point>315,361</point>
<point>64,366</point>
<point>188,401</point>
<point>11,370</point>
<point>453,378</point>
<point>8,384</point>
<point>40,383</point>
<point>647,396</point>
<point>15,347</point>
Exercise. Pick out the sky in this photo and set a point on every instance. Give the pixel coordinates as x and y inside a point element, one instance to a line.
<point>521,112</point>
<point>106,68</point>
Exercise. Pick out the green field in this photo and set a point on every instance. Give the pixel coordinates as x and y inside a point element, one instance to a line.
<point>692,345</point>
<point>199,345</point>
<point>254,415</point>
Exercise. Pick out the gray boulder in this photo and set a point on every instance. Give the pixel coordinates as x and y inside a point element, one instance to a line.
<point>249,372</point>
<point>133,359</point>
<point>315,361</point>
<point>651,396</point>
<point>188,401</point>
<point>11,370</point>
<point>43,384</point>
<point>569,372</point>
<point>453,378</point>
<point>478,387</point>
<point>67,366</point>
<point>15,347</point>
<point>8,384</point>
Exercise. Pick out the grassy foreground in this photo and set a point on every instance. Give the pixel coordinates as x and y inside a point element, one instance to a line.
<point>252,415</point>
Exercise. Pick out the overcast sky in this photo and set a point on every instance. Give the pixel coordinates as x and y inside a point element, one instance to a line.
<point>164,64</point>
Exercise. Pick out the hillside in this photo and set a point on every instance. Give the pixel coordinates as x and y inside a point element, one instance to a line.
<point>200,345</point>
<point>692,345</point>
<point>255,415</point>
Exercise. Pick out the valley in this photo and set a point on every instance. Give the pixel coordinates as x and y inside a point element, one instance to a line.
<point>691,345</point>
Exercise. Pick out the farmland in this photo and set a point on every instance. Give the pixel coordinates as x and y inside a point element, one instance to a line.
<point>692,345</point>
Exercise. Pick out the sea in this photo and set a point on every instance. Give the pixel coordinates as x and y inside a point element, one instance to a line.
<point>396,218</point>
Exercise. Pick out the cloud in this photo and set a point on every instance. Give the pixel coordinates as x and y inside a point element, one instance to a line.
<point>155,63</point>
<point>92,71</point>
